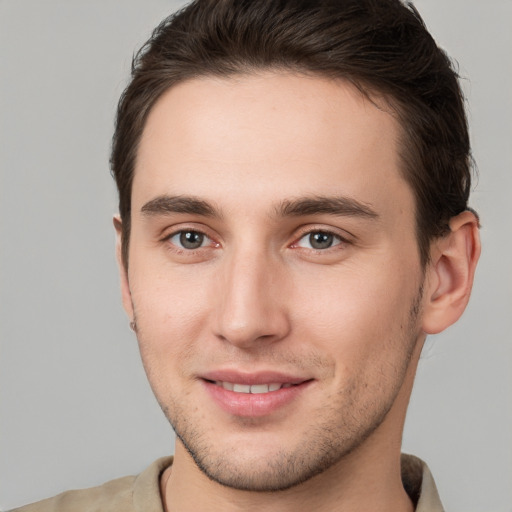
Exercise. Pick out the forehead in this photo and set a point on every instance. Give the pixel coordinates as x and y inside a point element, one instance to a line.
<point>269,135</point>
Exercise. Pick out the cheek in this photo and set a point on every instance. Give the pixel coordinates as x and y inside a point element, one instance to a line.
<point>166,296</point>
<point>171,314</point>
<point>357,315</point>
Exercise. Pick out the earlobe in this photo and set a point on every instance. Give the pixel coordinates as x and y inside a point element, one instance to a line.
<point>123,271</point>
<point>450,273</point>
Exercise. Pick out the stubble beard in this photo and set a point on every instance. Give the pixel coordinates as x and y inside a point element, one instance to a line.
<point>322,446</point>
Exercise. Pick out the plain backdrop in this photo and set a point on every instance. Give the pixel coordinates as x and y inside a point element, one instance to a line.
<point>74,403</point>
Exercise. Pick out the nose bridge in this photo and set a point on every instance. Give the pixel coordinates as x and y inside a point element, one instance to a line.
<point>250,307</point>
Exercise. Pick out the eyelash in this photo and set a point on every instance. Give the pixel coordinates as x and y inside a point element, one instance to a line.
<point>180,249</point>
<point>336,240</point>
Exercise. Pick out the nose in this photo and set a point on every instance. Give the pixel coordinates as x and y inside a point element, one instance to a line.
<point>251,302</point>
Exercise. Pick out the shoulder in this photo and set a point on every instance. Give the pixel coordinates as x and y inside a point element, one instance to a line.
<point>111,496</point>
<point>122,494</point>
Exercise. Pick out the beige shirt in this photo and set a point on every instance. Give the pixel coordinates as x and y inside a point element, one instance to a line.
<point>142,493</point>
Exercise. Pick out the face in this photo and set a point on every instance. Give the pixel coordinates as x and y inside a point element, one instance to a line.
<point>274,273</point>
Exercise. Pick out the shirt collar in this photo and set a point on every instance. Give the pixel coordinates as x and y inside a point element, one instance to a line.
<point>419,484</point>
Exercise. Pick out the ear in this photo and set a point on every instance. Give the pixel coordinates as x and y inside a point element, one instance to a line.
<point>450,273</point>
<point>123,271</point>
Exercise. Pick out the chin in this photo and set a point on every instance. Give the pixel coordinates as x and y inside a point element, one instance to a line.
<point>261,465</point>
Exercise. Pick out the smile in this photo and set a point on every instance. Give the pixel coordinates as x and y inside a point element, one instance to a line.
<point>255,395</point>
<point>254,388</point>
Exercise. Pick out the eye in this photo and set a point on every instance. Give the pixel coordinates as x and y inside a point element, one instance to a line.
<point>319,240</point>
<point>189,239</point>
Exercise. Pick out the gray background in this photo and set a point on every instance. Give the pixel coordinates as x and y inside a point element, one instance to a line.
<point>74,403</point>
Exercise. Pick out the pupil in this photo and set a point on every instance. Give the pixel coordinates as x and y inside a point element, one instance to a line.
<point>191,239</point>
<point>320,240</point>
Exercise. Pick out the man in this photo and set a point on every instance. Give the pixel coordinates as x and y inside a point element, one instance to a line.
<point>293,180</point>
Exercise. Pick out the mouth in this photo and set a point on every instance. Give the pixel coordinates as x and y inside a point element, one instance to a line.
<point>254,395</point>
<point>255,389</point>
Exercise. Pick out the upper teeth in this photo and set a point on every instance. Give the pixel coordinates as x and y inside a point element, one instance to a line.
<point>255,388</point>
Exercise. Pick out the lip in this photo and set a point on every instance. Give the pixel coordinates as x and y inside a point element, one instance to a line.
<point>250,405</point>
<point>250,378</point>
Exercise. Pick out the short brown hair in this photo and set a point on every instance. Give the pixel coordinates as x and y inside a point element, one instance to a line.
<point>380,46</point>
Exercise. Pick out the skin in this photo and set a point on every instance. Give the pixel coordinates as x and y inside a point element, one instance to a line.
<point>256,295</point>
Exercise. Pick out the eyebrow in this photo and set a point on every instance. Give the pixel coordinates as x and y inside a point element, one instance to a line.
<point>318,205</point>
<point>300,207</point>
<point>167,205</point>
